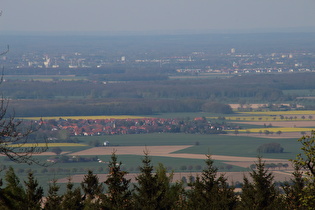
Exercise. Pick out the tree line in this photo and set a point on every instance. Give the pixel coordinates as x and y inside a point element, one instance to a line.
<point>197,89</point>
<point>117,106</point>
<point>143,97</point>
<point>154,189</point>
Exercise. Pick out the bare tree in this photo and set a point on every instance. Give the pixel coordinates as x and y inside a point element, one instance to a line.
<point>14,135</point>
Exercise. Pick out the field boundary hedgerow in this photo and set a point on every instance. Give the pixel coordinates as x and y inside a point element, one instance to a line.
<point>276,129</point>
<point>295,112</point>
<point>259,118</point>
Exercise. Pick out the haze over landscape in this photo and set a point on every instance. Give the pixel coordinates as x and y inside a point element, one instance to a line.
<point>139,104</point>
<point>162,16</point>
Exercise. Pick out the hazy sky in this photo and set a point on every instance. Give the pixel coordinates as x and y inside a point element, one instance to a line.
<point>154,15</point>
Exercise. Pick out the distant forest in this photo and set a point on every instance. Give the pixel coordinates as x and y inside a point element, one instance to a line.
<point>102,95</point>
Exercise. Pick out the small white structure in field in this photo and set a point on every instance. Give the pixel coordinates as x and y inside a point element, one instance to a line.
<point>106,143</point>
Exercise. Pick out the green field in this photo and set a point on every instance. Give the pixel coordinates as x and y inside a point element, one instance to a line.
<point>132,162</point>
<point>49,145</point>
<point>243,146</point>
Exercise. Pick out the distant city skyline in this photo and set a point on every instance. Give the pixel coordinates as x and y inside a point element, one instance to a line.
<point>162,16</point>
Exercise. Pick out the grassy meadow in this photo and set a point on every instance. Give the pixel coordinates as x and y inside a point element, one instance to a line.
<point>49,145</point>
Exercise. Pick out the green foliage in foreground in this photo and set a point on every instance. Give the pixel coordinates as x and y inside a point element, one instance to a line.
<point>306,161</point>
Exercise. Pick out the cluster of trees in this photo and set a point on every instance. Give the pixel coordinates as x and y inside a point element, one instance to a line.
<point>270,148</point>
<point>74,159</point>
<point>272,165</point>
<point>154,189</point>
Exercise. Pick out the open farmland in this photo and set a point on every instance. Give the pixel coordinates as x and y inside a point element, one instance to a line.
<point>164,151</point>
<point>167,151</point>
<point>274,124</point>
<point>229,150</point>
<point>181,150</point>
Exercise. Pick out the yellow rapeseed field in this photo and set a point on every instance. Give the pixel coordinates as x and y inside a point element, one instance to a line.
<point>86,117</point>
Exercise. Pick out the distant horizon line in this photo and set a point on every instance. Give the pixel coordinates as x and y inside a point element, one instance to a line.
<point>164,32</point>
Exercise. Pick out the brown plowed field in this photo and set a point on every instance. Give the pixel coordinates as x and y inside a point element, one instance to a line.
<point>132,150</point>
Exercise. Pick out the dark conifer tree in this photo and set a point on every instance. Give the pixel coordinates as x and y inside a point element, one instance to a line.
<point>92,190</point>
<point>147,189</point>
<point>170,194</point>
<point>13,194</point>
<point>293,190</point>
<point>53,201</point>
<point>118,195</point>
<point>34,193</point>
<point>261,193</point>
<point>72,200</point>
<point>3,199</point>
<point>210,191</point>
